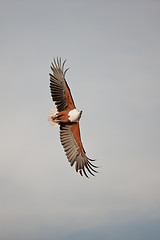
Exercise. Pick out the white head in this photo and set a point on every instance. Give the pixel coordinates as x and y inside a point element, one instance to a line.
<point>74,115</point>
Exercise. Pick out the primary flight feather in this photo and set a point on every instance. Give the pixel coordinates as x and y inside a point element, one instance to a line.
<point>67,117</point>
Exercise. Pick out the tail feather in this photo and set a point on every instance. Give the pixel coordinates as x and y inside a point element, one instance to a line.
<point>52,117</point>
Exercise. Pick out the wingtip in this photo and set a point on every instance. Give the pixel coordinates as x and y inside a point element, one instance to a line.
<point>57,64</point>
<point>89,167</point>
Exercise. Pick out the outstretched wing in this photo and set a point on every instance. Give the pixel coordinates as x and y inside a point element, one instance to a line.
<point>60,91</point>
<point>71,141</point>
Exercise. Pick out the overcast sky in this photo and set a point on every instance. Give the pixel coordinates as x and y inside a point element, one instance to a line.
<point>113,52</point>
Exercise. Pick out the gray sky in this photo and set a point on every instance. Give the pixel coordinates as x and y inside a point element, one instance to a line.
<point>112,49</point>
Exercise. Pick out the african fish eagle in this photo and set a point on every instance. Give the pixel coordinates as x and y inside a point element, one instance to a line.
<point>67,117</point>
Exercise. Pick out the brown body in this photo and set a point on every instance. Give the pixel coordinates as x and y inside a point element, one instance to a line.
<point>62,117</point>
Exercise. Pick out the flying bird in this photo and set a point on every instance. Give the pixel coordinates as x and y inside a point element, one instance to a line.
<point>67,117</point>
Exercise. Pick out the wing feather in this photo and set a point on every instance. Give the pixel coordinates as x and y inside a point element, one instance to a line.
<point>60,91</point>
<point>70,139</point>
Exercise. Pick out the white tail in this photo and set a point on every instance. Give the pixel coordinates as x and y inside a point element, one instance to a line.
<point>52,117</point>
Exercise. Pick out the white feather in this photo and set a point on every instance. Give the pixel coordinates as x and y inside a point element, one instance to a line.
<point>52,117</point>
<point>74,115</point>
